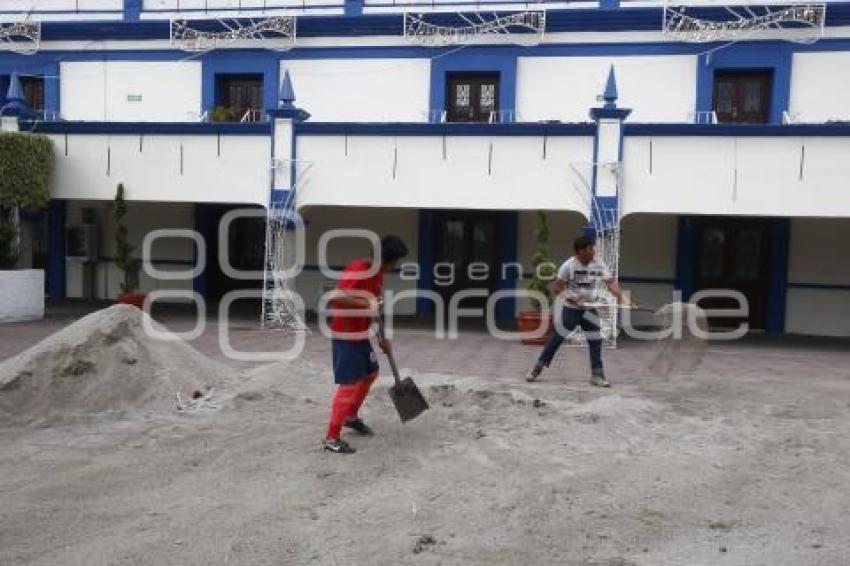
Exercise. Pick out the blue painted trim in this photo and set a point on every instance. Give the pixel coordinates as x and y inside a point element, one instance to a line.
<point>452,129</point>
<point>161,128</point>
<point>648,280</point>
<point>819,286</point>
<point>777,285</point>
<point>738,130</point>
<point>501,61</point>
<point>55,277</point>
<point>263,63</point>
<point>425,244</point>
<point>291,112</point>
<point>686,243</point>
<point>774,56</point>
<point>106,258</point>
<point>616,113</point>
<point>52,100</point>
<point>423,129</point>
<point>354,7</point>
<point>132,10</point>
<point>627,279</point>
<point>508,227</point>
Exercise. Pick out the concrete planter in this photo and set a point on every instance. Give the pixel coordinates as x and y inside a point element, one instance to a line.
<point>21,295</point>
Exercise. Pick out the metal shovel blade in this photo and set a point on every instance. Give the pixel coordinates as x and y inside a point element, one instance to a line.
<point>408,400</point>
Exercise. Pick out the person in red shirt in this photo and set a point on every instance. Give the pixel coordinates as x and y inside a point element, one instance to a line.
<point>354,304</point>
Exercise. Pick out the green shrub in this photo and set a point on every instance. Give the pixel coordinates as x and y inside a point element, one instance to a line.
<point>26,163</point>
<point>225,114</point>
<point>8,254</point>
<point>544,269</point>
<point>123,250</point>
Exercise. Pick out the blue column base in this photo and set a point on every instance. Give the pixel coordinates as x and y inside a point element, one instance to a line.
<point>56,279</point>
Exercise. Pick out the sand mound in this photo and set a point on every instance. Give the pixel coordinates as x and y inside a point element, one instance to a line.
<point>103,362</point>
<point>679,354</point>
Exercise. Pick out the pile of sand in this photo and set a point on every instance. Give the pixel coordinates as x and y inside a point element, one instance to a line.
<point>103,362</point>
<point>682,352</point>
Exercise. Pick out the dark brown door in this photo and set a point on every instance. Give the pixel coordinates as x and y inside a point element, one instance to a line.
<point>464,239</point>
<point>734,254</point>
<point>742,97</point>
<point>240,93</point>
<point>472,97</point>
<point>33,88</point>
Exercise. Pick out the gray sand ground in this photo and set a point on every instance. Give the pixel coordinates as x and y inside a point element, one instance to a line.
<point>745,462</point>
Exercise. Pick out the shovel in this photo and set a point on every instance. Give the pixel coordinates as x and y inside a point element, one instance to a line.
<point>406,397</point>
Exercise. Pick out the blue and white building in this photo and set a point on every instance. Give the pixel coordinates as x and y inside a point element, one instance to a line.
<point>729,160</point>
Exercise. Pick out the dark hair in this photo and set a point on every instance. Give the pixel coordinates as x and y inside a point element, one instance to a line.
<point>392,248</point>
<point>583,242</point>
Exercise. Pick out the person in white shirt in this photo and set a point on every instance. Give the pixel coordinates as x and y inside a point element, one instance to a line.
<point>580,278</point>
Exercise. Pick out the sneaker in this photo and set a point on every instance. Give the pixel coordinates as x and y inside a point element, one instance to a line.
<point>337,446</point>
<point>598,378</point>
<point>534,373</point>
<point>358,426</point>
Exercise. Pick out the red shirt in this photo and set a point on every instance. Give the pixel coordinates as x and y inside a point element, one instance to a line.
<point>353,278</point>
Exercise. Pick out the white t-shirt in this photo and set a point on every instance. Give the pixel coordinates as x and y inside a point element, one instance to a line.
<point>584,281</point>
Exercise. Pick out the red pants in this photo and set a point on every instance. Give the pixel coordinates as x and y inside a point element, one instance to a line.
<point>347,401</point>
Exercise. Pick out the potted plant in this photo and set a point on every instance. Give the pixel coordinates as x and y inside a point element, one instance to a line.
<point>124,259</point>
<point>529,322</point>
<point>26,161</point>
<point>225,114</point>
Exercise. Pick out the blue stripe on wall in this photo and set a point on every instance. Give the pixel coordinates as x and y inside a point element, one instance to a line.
<point>777,286</point>
<point>685,257</point>
<point>508,222</point>
<point>55,276</point>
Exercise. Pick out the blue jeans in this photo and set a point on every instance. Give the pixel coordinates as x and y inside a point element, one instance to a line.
<point>571,318</point>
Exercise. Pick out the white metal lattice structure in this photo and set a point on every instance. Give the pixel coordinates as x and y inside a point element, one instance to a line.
<point>23,38</point>
<point>275,33</point>
<point>798,23</point>
<point>526,28</point>
<point>606,222</point>
<point>279,311</point>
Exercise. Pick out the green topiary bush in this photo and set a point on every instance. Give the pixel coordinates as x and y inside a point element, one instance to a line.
<point>26,163</point>
<point>123,249</point>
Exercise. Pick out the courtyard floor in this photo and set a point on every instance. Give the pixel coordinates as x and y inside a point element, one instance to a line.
<point>746,461</point>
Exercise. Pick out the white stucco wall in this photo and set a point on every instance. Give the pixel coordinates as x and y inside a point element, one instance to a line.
<point>517,177</point>
<point>362,90</point>
<point>130,91</point>
<point>815,259</point>
<point>656,88</point>
<point>739,176</point>
<point>142,218</point>
<point>237,171</point>
<point>820,86</point>
<point>23,295</point>
<point>56,10</point>
<point>403,223</point>
<point>648,252</point>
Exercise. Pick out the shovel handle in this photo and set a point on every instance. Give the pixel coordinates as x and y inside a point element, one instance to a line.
<point>625,307</point>
<point>389,354</point>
